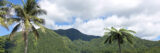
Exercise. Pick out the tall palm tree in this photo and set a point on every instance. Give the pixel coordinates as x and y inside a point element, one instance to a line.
<point>120,35</point>
<point>27,19</point>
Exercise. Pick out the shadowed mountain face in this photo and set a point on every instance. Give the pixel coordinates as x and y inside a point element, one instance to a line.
<point>74,34</point>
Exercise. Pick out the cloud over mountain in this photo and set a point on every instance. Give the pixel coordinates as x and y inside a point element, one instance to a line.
<point>92,16</point>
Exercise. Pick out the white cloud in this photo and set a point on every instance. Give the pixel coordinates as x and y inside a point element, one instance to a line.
<point>146,26</point>
<point>93,27</point>
<point>139,15</point>
<point>86,9</point>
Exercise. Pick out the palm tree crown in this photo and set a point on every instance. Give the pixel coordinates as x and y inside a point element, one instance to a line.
<point>27,19</point>
<point>120,35</point>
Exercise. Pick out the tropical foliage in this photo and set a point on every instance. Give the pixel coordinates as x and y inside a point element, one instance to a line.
<point>60,41</point>
<point>119,35</point>
<point>26,18</point>
<point>2,45</point>
<point>4,13</point>
<point>51,42</point>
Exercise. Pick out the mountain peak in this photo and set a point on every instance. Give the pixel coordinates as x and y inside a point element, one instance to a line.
<point>72,29</point>
<point>69,29</point>
<point>75,34</point>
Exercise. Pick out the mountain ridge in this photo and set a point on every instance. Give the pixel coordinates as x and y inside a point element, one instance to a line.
<point>52,42</point>
<point>75,34</point>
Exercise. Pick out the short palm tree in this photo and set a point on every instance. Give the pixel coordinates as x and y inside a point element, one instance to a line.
<point>120,35</point>
<point>27,19</point>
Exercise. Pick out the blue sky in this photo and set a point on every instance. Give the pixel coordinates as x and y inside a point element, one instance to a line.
<point>92,16</point>
<point>3,31</point>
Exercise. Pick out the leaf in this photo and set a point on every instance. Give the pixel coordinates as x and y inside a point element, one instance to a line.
<point>114,29</point>
<point>36,19</point>
<point>2,22</point>
<point>14,19</point>
<point>14,30</point>
<point>3,2</point>
<point>107,39</point>
<point>41,27</point>
<point>38,12</point>
<point>128,36</point>
<point>107,29</point>
<point>35,32</point>
<point>131,31</point>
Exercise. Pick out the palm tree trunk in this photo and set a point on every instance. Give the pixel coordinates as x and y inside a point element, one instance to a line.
<point>25,42</point>
<point>119,45</point>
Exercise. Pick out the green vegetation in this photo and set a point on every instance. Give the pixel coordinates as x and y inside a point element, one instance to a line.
<point>51,42</point>
<point>61,41</point>
<point>48,42</point>
<point>2,45</point>
<point>4,11</point>
<point>74,34</point>
<point>119,35</point>
<point>26,19</point>
<point>3,2</point>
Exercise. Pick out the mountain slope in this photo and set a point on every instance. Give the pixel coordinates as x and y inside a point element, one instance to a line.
<point>49,42</point>
<point>98,46</point>
<point>74,34</point>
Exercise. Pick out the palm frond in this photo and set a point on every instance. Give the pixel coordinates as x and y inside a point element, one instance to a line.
<point>19,10</point>
<point>128,36</point>
<point>14,30</point>
<point>2,22</point>
<point>107,29</point>
<point>38,20</point>
<point>131,31</point>
<point>36,34</point>
<point>3,2</point>
<point>114,29</point>
<point>14,19</point>
<point>107,39</point>
<point>41,26</point>
<point>121,40</point>
<point>120,35</point>
<point>38,12</point>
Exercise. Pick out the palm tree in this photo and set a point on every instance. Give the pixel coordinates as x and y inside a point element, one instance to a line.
<point>120,35</point>
<point>3,12</point>
<point>27,19</point>
<point>3,2</point>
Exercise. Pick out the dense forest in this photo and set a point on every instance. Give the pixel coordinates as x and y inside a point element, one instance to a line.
<point>50,42</point>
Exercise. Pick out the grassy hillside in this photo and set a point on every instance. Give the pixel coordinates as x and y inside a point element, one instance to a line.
<point>98,46</point>
<point>51,42</point>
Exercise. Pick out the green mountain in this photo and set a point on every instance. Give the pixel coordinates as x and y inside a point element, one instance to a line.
<point>51,42</point>
<point>74,34</point>
<point>98,46</point>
